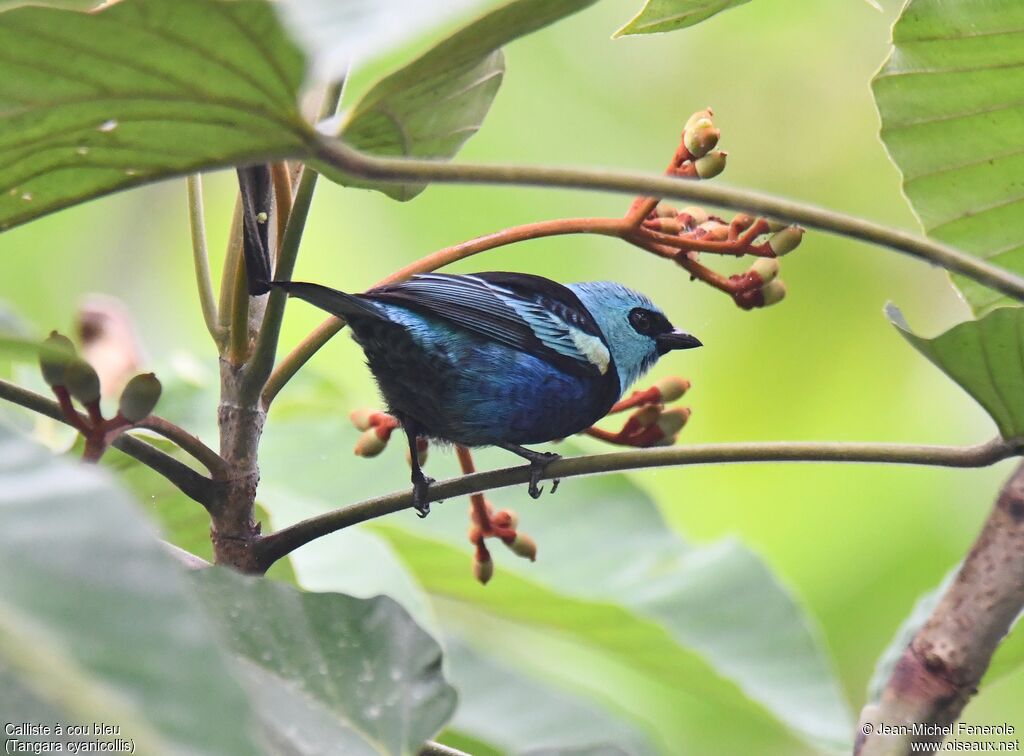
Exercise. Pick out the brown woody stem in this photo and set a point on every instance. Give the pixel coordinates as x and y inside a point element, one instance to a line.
<point>191,483</point>
<point>942,666</point>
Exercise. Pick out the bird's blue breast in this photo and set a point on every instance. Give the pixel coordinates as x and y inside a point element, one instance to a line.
<point>465,388</point>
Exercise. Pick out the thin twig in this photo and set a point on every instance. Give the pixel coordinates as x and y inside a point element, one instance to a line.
<point>238,336</point>
<point>201,258</point>
<point>191,483</point>
<point>262,362</point>
<point>283,542</point>
<point>941,668</point>
<point>210,459</point>
<point>299,356</point>
<point>233,312</point>
<point>281,177</point>
<point>344,158</point>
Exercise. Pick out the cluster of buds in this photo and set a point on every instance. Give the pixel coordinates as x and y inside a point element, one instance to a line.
<point>690,231</point>
<point>682,235</point>
<point>697,156</point>
<point>651,423</point>
<point>72,378</point>
<point>486,523</point>
<point>377,427</point>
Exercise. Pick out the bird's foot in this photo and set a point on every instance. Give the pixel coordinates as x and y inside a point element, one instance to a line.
<point>538,464</point>
<point>420,488</point>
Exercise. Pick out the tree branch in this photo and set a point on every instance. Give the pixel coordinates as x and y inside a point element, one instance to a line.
<point>273,547</point>
<point>191,483</point>
<point>941,668</point>
<point>344,158</point>
<point>210,459</point>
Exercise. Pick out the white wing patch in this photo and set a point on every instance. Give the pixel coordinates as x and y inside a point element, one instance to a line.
<point>592,348</point>
<point>556,334</point>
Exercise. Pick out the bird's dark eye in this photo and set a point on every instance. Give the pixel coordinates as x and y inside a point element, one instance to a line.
<point>641,320</point>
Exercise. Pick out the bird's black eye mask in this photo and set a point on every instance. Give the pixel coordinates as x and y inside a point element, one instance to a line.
<point>649,323</point>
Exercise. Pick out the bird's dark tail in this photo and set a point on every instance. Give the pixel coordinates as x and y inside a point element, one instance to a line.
<point>255,188</point>
<point>333,301</point>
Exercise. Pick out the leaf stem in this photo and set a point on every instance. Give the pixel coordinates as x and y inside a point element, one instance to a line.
<point>342,157</point>
<point>201,258</point>
<point>238,336</point>
<point>281,177</point>
<point>283,542</point>
<point>234,251</point>
<point>191,483</point>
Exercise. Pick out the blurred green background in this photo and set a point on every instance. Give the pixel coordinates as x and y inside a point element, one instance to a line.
<point>788,81</point>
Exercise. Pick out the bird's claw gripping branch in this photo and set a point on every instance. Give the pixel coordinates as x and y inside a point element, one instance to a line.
<point>650,424</point>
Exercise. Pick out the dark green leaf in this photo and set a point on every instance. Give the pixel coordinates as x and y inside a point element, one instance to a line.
<point>430,107</point>
<point>985,357</point>
<point>953,122</point>
<point>323,666</point>
<point>97,623</point>
<point>610,576</point>
<point>669,15</point>
<point>515,714</point>
<point>93,103</point>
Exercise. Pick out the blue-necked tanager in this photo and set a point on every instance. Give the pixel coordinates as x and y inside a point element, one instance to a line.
<point>500,359</point>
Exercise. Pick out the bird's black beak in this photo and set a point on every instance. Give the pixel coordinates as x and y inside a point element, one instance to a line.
<point>675,340</point>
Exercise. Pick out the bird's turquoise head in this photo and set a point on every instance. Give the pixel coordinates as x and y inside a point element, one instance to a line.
<point>637,332</point>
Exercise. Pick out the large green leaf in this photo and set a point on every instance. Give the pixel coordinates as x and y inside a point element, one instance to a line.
<point>700,607</point>
<point>610,576</point>
<point>985,357</point>
<point>331,673</point>
<point>953,121</point>
<point>93,103</point>
<point>669,15</point>
<point>431,106</point>
<point>142,90</point>
<point>515,714</point>
<point>97,623</point>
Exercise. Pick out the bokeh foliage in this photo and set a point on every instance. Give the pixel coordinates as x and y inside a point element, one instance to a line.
<point>849,548</point>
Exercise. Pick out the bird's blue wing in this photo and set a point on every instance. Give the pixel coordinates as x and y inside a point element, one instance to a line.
<point>529,313</point>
